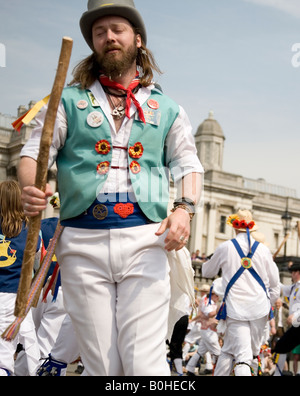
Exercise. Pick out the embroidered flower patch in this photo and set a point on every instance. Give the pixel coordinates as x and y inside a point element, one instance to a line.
<point>103,147</point>
<point>136,151</point>
<point>135,167</point>
<point>103,168</point>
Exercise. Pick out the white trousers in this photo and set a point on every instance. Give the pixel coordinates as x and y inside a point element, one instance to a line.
<point>66,347</point>
<point>242,341</point>
<point>48,318</point>
<point>209,342</point>
<point>26,336</point>
<point>116,290</point>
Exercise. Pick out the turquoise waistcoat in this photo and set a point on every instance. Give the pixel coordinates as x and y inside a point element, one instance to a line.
<point>83,169</point>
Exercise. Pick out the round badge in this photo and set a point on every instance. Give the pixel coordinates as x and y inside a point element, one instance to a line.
<point>153,104</point>
<point>246,262</point>
<point>82,104</point>
<point>95,119</point>
<point>100,212</point>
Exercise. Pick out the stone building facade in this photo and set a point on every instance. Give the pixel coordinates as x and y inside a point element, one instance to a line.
<point>11,143</point>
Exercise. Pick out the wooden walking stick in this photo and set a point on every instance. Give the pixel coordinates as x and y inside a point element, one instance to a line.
<point>41,175</point>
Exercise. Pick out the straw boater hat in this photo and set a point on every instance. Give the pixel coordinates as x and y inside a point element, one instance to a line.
<point>204,288</point>
<point>242,221</point>
<point>101,8</point>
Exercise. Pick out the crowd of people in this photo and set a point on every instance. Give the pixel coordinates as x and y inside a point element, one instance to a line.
<point>47,343</point>
<point>274,343</point>
<point>199,361</point>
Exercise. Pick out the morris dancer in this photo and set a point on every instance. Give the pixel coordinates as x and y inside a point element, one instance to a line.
<point>13,235</point>
<point>209,341</point>
<point>116,139</point>
<point>248,272</point>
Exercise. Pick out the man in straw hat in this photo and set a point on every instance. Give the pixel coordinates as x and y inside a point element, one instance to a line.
<point>248,272</point>
<point>117,136</point>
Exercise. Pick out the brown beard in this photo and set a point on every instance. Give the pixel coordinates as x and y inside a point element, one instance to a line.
<point>113,67</point>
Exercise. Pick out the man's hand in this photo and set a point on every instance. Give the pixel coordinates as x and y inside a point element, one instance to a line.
<point>178,224</point>
<point>34,200</point>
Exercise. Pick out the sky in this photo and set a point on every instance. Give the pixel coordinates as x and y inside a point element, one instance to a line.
<point>238,58</point>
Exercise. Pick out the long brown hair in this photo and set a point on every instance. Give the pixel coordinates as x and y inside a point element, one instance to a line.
<point>12,215</point>
<point>87,71</point>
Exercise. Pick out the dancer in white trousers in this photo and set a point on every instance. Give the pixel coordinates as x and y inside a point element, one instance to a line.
<point>117,136</point>
<point>248,273</point>
<point>209,341</point>
<point>13,236</point>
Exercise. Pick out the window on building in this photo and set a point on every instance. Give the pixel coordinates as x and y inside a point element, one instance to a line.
<point>223,220</point>
<point>276,238</point>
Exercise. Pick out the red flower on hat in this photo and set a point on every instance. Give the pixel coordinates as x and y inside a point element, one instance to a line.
<point>103,147</point>
<point>243,224</point>
<point>135,167</point>
<point>236,224</point>
<point>103,168</point>
<point>251,225</point>
<point>136,151</point>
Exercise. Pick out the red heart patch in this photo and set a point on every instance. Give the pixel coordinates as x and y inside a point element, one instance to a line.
<point>124,210</point>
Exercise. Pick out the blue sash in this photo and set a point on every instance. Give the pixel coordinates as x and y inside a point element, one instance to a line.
<point>102,214</point>
<point>222,314</point>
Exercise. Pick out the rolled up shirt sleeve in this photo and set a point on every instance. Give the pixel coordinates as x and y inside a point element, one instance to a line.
<point>181,152</point>
<point>32,147</point>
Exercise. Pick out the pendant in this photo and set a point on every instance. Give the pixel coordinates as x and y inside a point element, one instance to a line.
<point>118,112</point>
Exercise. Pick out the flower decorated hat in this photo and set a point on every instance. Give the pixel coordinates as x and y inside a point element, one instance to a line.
<point>242,221</point>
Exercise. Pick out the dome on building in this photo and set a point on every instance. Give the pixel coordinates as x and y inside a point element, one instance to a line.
<point>210,127</point>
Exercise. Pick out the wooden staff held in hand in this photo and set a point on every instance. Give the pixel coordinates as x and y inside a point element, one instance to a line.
<point>41,175</point>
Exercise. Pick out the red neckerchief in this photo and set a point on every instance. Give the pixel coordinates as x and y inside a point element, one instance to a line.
<point>106,82</point>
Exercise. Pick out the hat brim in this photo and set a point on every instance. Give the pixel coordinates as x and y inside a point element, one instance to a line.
<point>255,228</point>
<point>130,13</point>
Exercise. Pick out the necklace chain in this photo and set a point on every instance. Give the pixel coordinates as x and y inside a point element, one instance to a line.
<point>118,110</point>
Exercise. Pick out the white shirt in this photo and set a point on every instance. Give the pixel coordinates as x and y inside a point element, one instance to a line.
<point>293,294</point>
<point>181,153</point>
<point>246,300</point>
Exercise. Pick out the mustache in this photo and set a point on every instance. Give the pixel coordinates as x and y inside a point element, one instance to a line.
<point>112,48</point>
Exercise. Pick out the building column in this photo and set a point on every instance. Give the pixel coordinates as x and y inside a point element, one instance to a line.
<point>211,228</point>
<point>197,231</point>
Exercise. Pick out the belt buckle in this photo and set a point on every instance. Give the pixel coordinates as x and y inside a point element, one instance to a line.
<point>100,212</point>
